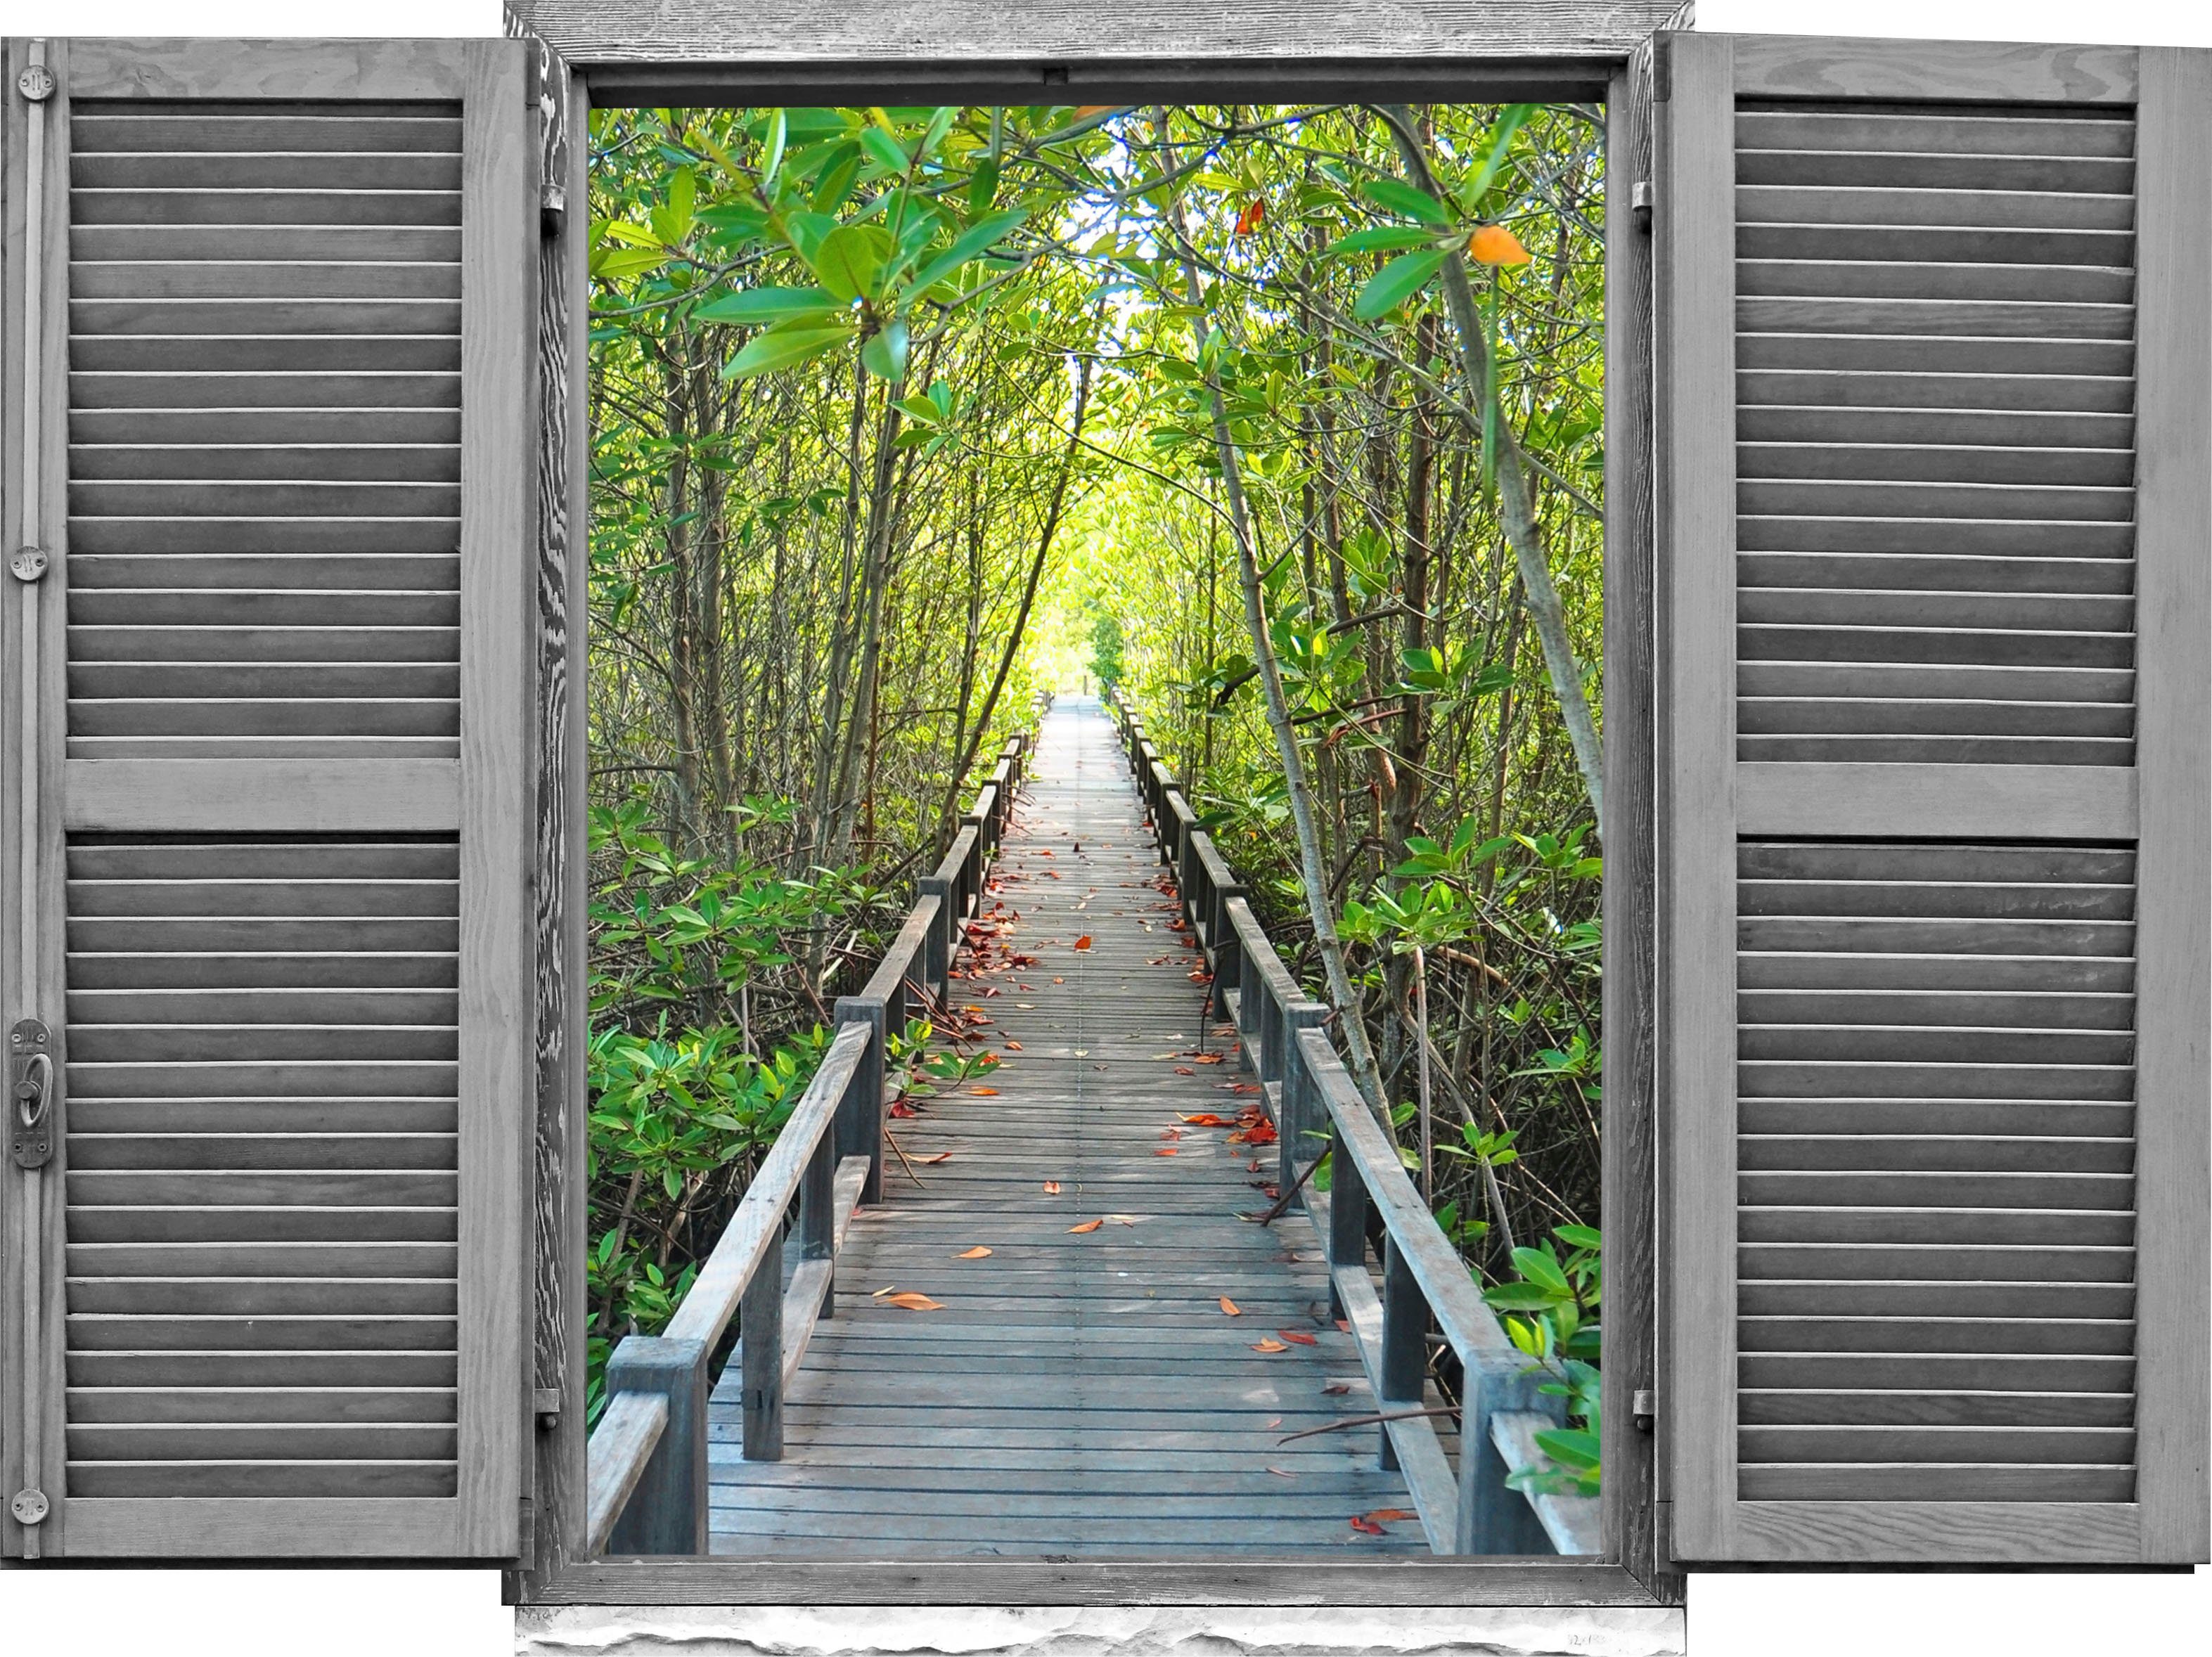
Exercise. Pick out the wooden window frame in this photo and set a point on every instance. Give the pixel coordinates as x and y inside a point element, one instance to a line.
<point>1599,51</point>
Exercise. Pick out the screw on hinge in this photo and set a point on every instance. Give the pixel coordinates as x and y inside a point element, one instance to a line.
<point>1642,1408</point>
<point>28,563</point>
<point>37,84</point>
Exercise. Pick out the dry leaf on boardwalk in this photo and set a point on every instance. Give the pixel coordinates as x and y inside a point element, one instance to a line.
<point>1088,1225</point>
<point>1280,1473</point>
<point>1269,1346</point>
<point>978,1253</point>
<point>1051,1187</point>
<point>1184,1069</point>
<point>1390,1516</point>
<point>985,1092</point>
<point>1164,1151</point>
<point>1231,1307</point>
<point>1297,1336</point>
<point>1368,1527</point>
<point>1084,942</point>
<point>913,1303</point>
<point>1014,1047</point>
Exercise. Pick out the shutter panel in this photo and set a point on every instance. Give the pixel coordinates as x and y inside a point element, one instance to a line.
<point>1935,394</point>
<point>272,888</point>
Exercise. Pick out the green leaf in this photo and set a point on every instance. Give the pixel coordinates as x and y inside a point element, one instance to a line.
<point>618,264</point>
<point>837,181</point>
<point>1538,1266</point>
<point>1394,284</point>
<point>1381,238</point>
<point>983,184</point>
<point>772,147</point>
<point>785,347</point>
<point>885,151</point>
<point>1578,1236</point>
<point>850,258</point>
<point>1399,196</point>
<point>762,305</point>
<point>975,240</point>
<point>884,354</point>
<point>1570,1446</point>
<point>1509,123</point>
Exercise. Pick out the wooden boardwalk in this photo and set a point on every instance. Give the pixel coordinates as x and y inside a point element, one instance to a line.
<point>1080,1391</point>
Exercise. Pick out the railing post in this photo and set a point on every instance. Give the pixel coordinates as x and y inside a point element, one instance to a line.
<point>1404,1355</point>
<point>1300,1114</point>
<point>1493,1518</point>
<point>1347,1217</point>
<point>667,1511</point>
<point>860,1129</point>
<point>1228,948</point>
<point>972,871</point>
<point>760,1355</point>
<point>818,1215</point>
<point>937,954</point>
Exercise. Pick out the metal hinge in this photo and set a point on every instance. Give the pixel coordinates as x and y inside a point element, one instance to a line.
<point>1643,1409</point>
<point>552,209</point>
<point>31,1087</point>
<point>546,1401</point>
<point>37,84</point>
<point>1639,204</point>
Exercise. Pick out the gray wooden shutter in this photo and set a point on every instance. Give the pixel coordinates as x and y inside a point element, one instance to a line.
<point>267,843</point>
<point>1935,394</point>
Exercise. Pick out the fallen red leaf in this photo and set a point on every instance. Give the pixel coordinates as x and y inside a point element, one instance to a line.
<point>1084,942</point>
<point>1390,1516</point>
<point>1088,1225</point>
<point>1344,1324</point>
<point>976,1253</point>
<point>1269,1346</point>
<point>913,1303</point>
<point>1368,1527</point>
<point>902,1108</point>
<point>1051,1187</point>
<point>1014,1047</point>
<point>1184,1069</point>
<point>1205,1118</point>
<point>1230,1307</point>
<point>1164,1151</point>
<point>1209,1057</point>
<point>1297,1336</point>
<point>1337,1388</point>
<point>1060,980</point>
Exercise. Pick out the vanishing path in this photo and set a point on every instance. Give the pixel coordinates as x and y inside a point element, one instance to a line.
<point>1080,1391</point>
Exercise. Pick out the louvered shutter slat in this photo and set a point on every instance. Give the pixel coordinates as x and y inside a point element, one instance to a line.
<point>1933,600</point>
<point>286,875</point>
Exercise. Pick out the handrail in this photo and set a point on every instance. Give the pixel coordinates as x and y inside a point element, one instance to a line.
<point>647,1458</point>
<point>1310,1092</point>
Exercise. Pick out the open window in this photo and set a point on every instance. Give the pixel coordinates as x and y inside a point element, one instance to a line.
<point>290,819</point>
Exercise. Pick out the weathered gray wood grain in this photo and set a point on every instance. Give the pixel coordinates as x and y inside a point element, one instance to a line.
<point>2173,920</point>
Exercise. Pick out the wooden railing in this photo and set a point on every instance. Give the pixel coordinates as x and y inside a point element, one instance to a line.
<point>647,1456</point>
<point>1424,1283</point>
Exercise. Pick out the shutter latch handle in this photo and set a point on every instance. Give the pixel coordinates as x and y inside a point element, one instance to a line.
<point>31,1124</point>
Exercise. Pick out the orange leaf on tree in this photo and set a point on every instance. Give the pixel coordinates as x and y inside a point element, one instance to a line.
<point>976,1253</point>
<point>913,1303</point>
<point>1493,244</point>
<point>1088,1225</point>
<point>1269,1346</point>
<point>1253,216</point>
<point>1231,1307</point>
